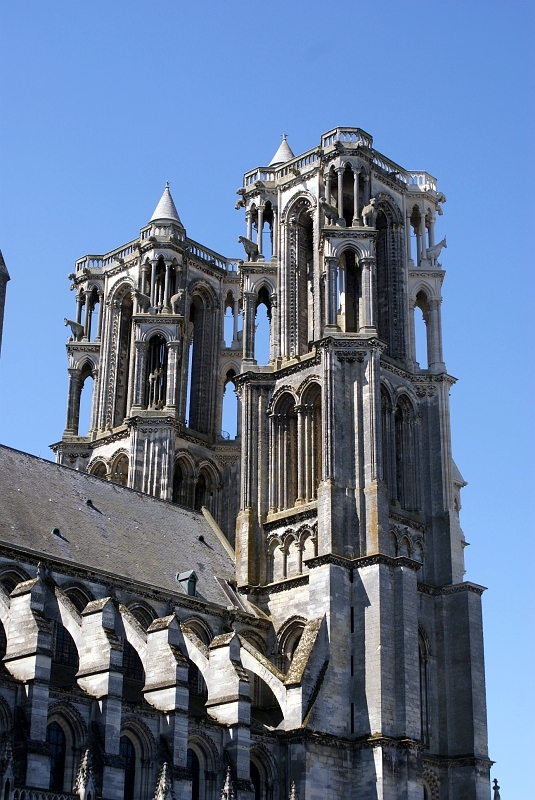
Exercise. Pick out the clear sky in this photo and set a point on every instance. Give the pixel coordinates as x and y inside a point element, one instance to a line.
<point>102,102</point>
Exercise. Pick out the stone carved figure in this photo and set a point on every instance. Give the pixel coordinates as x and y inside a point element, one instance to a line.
<point>227,793</point>
<point>176,301</point>
<point>143,301</point>
<point>164,787</point>
<point>434,252</point>
<point>369,214</point>
<point>331,212</point>
<point>251,248</point>
<point>77,330</point>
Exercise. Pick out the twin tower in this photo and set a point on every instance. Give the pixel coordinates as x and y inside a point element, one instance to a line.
<point>339,491</point>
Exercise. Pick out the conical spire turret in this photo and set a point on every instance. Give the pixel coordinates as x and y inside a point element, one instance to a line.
<point>166,209</point>
<point>283,154</point>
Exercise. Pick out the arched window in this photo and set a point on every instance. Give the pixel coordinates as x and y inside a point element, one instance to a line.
<point>195,769</point>
<point>407,460</point>
<point>79,597</point>
<point>99,470</point>
<point>255,779</point>
<point>178,484</point>
<point>85,401</point>
<point>284,449</point>
<point>127,751</point>
<point>11,578</point>
<point>143,615</point>
<point>133,675</point>
<point>203,351</point>
<point>422,330</point>
<point>120,405</point>
<point>424,687</point>
<point>391,306</point>
<point>119,472</point>
<point>156,374</point>
<point>56,741</point>
<point>262,336</point>
<point>300,279</point>
<point>64,664</point>
<point>349,292</point>
<point>388,444</point>
<point>309,423</point>
<point>229,415</point>
<point>200,492</point>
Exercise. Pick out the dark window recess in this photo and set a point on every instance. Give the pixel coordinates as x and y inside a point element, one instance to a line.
<point>133,675</point>
<point>56,741</point>
<point>352,612</point>
<point>126,749</point>
<point>64,658</point>
<point>255,779</point>
<point>195,769</point>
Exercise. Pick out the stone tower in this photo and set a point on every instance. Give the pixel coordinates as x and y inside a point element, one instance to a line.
<point>339,491</point>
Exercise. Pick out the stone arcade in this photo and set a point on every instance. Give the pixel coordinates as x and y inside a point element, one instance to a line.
<point>282,613</point>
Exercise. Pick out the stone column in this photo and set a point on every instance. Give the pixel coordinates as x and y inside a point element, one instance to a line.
<point>100,676</point>
<point>408,235</point>
<point>340,174</point>
<point>28,659</point>
<point>423,248</point>
<point>249,224</point>
<point>153,264</point>
<point>301,454</point>
<point>229,702</point>
<point>166,286</point>
<point>432,220</point>
<point>172,374</point>
<point>356,210</point>
<point>73,402</point>
<point>272,462</point>
<point>435,357</point>
<point>139,375</point>
<point>328,178</point>
<point>79,297</point>
<point>144,274</point>
<point>249,299</point>
<point>330,294</point>
<point>100,314</point>
<point>366,188</point>
<point>367,322</point>
<point>236,311</point>
<point>88,313</point>
<point>260,229</point>
<point>275,229</point>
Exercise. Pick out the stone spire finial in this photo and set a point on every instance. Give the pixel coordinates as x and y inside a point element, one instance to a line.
<point>166,209</point>
<point>294,795</point>
<point>84,785</point>
<point>496,790</point>
<point>164,787</point>
<point>283,154</point>
<point>227,793</point>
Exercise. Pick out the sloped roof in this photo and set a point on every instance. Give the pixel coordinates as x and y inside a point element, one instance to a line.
<point>166,208</point>
<point>283,154</point>
<point>123,532</point>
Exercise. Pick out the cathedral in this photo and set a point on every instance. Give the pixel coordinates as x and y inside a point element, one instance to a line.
<point>278,612</point>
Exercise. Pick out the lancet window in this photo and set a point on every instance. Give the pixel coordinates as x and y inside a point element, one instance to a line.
<point>300,278</point>
<point>424,687</point>
<point>123,359</point>
<point>400,451</point>
<point>349,291</point>
<point>156,373</point>
<point>284,453</point>
<point>201,374</point>
<point>309,435</point>
<point>390,285</point>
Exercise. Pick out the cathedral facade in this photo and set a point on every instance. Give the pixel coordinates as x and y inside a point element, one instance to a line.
<point>278,613</point>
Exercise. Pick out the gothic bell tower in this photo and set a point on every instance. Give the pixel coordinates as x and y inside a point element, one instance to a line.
<point>349,495</point>
<point>147,336</point>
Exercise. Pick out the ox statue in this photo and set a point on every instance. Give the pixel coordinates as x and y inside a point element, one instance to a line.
<point>143,301</point>
<point>369,214</point>
<point>434,252</point>
<point>77,330</point>
<point>251,248</point>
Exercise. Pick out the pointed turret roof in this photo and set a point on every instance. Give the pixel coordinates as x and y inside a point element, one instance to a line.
<point>4,274</point>
<point>283,154</point>
<point>166,208</point>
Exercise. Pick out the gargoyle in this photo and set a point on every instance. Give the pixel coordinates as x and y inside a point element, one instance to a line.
<point>251,248</point>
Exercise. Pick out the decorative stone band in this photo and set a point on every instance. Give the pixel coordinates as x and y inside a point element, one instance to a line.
<point>363,742</point>
<point>454,588</point>
<point>273,588</point>
<point>365,561</point>
<point>228,698</point>
<point>451,762</point>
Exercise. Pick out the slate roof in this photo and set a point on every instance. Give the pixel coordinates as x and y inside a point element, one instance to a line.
<point>123,532</point>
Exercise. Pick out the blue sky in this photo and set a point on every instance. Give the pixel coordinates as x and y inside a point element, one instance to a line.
<point>102,102</point>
